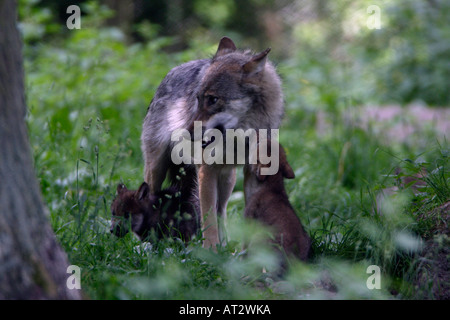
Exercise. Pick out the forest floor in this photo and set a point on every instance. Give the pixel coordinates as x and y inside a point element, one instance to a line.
<point>408,124</point>
<point>433,263</point>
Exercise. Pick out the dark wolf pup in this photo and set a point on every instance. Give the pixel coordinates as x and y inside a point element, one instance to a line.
<point>233,90</point>
<point>266,200</point>
<point>167,213</point>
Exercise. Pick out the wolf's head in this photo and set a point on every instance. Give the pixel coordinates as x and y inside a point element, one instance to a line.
<point>130,209</point>
<point>240,90</point>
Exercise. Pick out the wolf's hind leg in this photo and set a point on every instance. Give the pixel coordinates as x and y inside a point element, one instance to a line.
<point>156,166</point>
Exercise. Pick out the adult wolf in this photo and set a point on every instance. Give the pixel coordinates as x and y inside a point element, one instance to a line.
<point>235,89</point>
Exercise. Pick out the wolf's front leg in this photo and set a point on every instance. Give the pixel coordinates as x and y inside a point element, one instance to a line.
<point>216,185</point>
<point>208,191</point>
<point>225,184</point>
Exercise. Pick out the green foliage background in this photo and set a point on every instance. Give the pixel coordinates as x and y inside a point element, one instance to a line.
<point>88,91</point>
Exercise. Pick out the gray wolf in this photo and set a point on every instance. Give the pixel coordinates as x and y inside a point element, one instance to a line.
<point>266,201</point>
<point>234,89</point>
<point>167,213</point>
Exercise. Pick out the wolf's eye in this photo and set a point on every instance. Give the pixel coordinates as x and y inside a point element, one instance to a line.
<point>210,100</point>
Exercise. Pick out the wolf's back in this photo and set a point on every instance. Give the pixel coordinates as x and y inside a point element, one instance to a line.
<point>181,82</point>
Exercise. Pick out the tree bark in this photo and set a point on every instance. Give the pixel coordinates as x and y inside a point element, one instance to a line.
<point>32,264</point>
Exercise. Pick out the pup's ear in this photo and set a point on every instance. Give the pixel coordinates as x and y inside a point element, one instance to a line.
<point>287,171</point>
<point>226,45</point>
<point>257,63</point>
<point>143,191</point>
<point>121,188</point>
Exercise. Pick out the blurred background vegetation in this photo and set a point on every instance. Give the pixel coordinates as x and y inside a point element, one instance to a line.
<point>406,59</point>
<point>88,91</point>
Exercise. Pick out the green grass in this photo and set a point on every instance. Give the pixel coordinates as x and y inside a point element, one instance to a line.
<point>87,97</point>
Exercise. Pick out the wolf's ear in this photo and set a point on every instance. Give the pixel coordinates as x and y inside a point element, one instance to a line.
<point>143,191</point>
<point>121,188</point>
<point>226,45</point>
<point>257,63</point>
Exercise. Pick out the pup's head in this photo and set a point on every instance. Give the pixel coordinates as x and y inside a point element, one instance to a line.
<point>234,83</point>
<point>267,154</point>
<point>129,209</point>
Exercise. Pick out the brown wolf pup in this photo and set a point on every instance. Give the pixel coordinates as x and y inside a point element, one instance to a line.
<point>266,201</point>
<point>233,90</point>
<point>163,214</point>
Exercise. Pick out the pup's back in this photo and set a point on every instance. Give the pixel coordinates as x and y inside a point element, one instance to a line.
<point>267,201</point>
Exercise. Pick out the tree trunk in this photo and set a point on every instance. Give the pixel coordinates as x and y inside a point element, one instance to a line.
<point>32,264</point>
